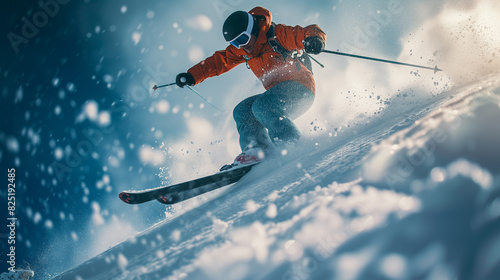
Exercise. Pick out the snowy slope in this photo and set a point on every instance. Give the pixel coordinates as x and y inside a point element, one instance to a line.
<point>415,195</point>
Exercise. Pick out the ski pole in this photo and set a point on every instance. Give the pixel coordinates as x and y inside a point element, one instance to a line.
<point>197,93</point>
<point>183,79</point>
<point>208,102</point>
<point>157,87</point>
<point>315,60</point>
<point>436,69</point>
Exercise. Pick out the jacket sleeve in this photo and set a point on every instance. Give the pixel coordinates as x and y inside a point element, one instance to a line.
<point>292,37</point>
<point>215,65</point>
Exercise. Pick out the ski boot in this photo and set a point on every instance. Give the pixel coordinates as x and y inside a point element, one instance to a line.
<point>247,157</point>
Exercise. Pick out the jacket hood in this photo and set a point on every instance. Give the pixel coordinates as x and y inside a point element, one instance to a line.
<point>264,18</point>
<point>259,11</point>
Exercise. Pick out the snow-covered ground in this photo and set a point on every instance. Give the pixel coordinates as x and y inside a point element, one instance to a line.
<point>411,196</point>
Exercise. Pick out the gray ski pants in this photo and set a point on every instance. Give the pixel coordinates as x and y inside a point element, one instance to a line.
<point>267,118</point>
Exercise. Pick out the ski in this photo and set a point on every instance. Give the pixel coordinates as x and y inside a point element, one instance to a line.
<point>179,192</point>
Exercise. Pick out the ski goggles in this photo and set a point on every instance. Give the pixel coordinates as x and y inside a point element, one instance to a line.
<point>244,37</point>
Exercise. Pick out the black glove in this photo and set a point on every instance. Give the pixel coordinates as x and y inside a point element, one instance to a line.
<point>314,45</point>
<point>183,79</point>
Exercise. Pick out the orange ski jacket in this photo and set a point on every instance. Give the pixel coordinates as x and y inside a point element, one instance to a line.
<point>268,65</point>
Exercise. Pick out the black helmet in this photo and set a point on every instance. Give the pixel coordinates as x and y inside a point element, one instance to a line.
<point>238,28</point>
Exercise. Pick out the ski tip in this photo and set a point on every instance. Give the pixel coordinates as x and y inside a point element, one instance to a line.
<point>125,197</point>
<point>436,69</point>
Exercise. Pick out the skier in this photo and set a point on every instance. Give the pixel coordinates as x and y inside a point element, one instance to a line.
<point>274,52</point>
